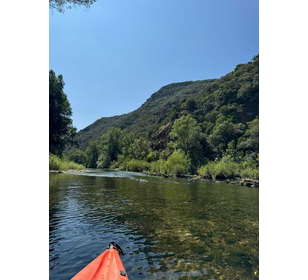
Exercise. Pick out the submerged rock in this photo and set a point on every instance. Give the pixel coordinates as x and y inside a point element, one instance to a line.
<point>141,180</point>
<point>55,171</point>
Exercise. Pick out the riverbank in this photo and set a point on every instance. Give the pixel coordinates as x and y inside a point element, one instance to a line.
<point>197,178</point>
<point>57,164</point>
<point>71,171</point>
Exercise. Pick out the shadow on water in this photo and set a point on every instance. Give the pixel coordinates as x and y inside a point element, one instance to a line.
<point>169,228</point>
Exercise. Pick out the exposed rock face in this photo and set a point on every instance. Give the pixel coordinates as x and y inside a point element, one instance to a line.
<point>161,137</point>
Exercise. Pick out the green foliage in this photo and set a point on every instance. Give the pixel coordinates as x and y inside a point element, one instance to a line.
<point>185,134</point>
<point>208,170</point>
<point>57,163</point>
<point>103,160</point>
<point>146,120</point>
<point>136,165</point>
<point>226,168</point>
<point>222,169</point>
<point>224,132</point>
<point>250,173</point>
<point>115,144</point>
<point>78,156</point>
<point>174,112</point>
<point>61,5</point>
<point>127,144</point>
<point>141,148</point>
<point>152,156</point>
<point>183,126</point>
<point>159,167</point>
<point>61,130</point>
<point>164,154</point>
<point>234,96</point>
<point>250,140</point>
<point>191,105</point>
<point>92,155</point>
<point>178,163</point>
<point>110,147</point>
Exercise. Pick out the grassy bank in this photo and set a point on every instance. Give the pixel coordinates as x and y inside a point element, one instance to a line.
<point>178,165</point>
<point>228,170</point>
<point>57,163</point>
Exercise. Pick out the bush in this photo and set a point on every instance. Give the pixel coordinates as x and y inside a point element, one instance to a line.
<point>250,173</point>
<point>77,156</point>
<point>115,165</point>
<point>222,169</point>
<point>57,163</point>
<point>136,165</point>
<point>227,169</point>
<point>159,167</point>
<point>177,163</point>
<point>54,162</point>
<point>208,170</point>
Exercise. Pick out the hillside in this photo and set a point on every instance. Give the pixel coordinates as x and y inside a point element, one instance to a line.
<point>149,117</point>
<point>207,121</point>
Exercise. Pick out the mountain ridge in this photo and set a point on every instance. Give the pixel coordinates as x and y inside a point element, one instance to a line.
<point>233,99</point>
<point>169,95</point>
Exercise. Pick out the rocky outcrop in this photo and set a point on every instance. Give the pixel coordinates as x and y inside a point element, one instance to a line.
<point>161,137</point>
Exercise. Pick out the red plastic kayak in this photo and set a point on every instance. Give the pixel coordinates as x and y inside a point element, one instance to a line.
<point>107,266</point>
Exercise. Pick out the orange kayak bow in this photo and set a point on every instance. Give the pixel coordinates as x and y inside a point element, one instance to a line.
<point>107,266</point>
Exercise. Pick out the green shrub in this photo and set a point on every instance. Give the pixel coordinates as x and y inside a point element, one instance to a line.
<point>57,163</point>
<point>250,173</point>
<point>122,166</point>
<point>177,163</point>
<point>208,170</point>
<point>159,167</point>
<point>227,169</point>
<point>137,165</point>
<point>54,162</point>
<point>77,156</point>
<point>115,165</point>
<point>222,169</point>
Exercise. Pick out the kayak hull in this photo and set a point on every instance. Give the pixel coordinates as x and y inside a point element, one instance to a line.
<point>107,266</point>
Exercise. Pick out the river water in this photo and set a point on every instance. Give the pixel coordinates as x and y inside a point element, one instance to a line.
<point>168,228</point>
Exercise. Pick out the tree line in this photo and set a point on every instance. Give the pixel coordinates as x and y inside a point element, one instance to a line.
<point>214,132</point>
<point>187,152</point>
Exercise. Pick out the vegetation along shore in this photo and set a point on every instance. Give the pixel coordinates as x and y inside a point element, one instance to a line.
<point>204,129</point>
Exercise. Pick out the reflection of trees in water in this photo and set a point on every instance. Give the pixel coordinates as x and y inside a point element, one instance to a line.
<point>193,229</point>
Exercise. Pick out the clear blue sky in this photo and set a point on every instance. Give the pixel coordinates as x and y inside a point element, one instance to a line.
<point>114,55</point>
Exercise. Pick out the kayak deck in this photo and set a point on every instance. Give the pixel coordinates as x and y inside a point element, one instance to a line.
<point>107,266</point>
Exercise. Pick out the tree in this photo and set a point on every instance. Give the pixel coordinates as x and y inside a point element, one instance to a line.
<point>178,163</point>
<point>77,156</point>
<point>250,140</point>
<point>224,132</point>
<point>185,134</point>
<point>110,147</point>
<point>92,154</point>
<point>141,148</point>
<point>61,130</point>
<point>61,5</point>
<point>191,105</point>
<point>127,144</point>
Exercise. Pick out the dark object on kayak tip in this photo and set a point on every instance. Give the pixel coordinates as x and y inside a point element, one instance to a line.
<point>122,273</point>
<point>107,266</point>
<point>118,248</point>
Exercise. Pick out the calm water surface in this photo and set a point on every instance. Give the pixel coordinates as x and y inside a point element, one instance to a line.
<point>168,228</point>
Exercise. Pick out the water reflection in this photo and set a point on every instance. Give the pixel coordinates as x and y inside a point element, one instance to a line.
<point>170,229</point>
